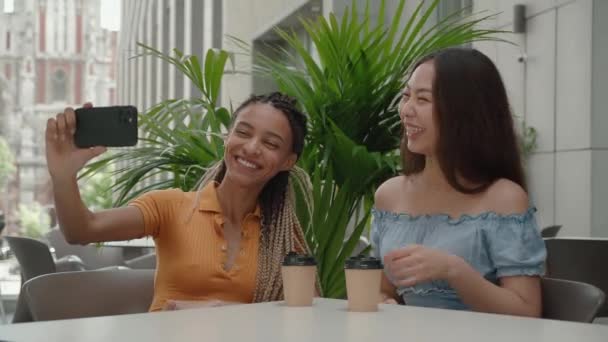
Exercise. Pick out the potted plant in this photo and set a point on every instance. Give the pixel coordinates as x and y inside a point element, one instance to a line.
<point>351,94</point>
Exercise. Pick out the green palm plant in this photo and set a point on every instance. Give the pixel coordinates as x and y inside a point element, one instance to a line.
<point>181,138</point>
<point>351,92</point>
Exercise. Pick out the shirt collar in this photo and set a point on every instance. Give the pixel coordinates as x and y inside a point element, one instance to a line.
<point>209,202</point>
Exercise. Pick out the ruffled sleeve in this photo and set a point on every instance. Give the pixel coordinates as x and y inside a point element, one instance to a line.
<point>376,232</point>
<point>515,246</point>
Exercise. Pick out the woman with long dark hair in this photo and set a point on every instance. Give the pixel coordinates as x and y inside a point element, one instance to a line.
<point>456,229</point>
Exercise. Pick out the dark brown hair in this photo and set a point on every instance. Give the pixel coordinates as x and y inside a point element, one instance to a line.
<point>477,140</point>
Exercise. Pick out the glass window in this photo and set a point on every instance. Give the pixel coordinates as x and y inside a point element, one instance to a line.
<point>9,6</point>
<point>447,7</point>
<point>59,86</point>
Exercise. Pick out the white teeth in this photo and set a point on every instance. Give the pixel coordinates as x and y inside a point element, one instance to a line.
<point>413,130</point>
<point>246,163</point>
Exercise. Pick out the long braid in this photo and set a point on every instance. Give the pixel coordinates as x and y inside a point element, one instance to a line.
<point>282,236</point>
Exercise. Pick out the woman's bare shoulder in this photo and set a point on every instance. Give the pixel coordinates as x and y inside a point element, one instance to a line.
<point>506,197</point>
<point>390,192</point>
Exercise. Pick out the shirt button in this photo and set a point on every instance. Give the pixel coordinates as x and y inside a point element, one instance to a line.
<point>242,252</point>
<point>224,248</point>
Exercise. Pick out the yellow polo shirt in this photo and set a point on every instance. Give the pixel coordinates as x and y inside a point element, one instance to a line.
<point>191,249</point>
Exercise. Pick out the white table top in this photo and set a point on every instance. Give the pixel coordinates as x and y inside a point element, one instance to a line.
<point>326,320</point>
<point>139,243</point>
<point>577,238</point>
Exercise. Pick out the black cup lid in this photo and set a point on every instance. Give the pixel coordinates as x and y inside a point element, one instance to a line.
<point>363,263</point>
<point>295,259</point>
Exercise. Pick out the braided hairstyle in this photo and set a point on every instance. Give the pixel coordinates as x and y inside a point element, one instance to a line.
<point>281,230</point>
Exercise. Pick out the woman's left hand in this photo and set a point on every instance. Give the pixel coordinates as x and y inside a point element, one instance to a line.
<point>415,264</point>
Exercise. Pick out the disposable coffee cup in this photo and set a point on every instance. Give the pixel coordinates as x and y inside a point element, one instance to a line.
<point>363,279</point>
<point>299,274</point>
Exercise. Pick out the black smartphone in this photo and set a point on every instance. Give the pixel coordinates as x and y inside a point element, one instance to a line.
<point>113,126</point>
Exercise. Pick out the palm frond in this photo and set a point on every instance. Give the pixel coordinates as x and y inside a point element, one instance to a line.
<point>180,138</point>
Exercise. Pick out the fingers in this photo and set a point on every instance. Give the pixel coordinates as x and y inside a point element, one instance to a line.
<point>405,272</point>
<point>56,128</point>
<point>70,120</point>
<point>217,303</point>
<point>61,126</point>
<point>417,264</point>
<point>87,105</point>
<point>95,151</point>
<point>408,276</point>
<point>405,262</point>
<point>410,271</point>
<point>51,130</point>
<point>392,255</point>
<point>389,301</point>
<point>404,266</point>
<point>408,282</point>
<point>170,305</point>
<point>401,253</point>
<point>401,258</point>
<point>402,272</point>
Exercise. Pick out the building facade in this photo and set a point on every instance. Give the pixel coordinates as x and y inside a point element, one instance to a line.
<point>53,54</point>
<point>191,26</point>
<point>557,77</point>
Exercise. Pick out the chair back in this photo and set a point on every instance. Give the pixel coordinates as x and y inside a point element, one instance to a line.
<point>89,293</point>
<point>33,256</point>
<point>579,259</point>
<point>92,256</point>
<point>550,231</point>
<point>567,300</point>
<point>147,262</point>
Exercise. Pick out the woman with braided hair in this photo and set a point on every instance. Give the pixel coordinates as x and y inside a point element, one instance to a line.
<point>222,243</point>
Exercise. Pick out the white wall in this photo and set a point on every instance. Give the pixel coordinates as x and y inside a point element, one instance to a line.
<point>557,92</point>
<point>599,119</point>
<point>248,20</point>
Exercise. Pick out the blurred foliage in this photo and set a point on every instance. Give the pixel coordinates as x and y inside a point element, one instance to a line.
<point>7,163</point>
<point>34,220</point>
<point>96,191</point>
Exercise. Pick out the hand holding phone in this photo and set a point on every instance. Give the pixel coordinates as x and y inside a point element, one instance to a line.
<point>106,126</point>
<point>65,157</point>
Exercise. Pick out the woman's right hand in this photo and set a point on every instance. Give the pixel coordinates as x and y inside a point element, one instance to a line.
<point>63,158</point>
<point>386,299</point>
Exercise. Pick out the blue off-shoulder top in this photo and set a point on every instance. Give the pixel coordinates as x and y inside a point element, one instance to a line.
<point>495,245</point>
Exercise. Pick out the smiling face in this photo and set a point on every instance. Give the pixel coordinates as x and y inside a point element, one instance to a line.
<point>417,111</point>
<point>259,145</point>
